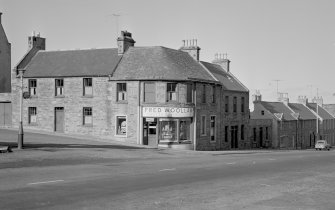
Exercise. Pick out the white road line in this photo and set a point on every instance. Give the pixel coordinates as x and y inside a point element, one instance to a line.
<point>168,169</point>
<point>46,182</point>
<point>266,185</point>
<point>230,163</point>
<point>271,159</point>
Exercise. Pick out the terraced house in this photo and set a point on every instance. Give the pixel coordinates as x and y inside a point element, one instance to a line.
<point>144,95</point>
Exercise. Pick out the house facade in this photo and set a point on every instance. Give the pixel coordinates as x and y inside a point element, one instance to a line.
<point>5,79</point>
<point>293,125</point>
<point>153,96</point>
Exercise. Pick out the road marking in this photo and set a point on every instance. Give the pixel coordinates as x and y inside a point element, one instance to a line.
<point>266,185</point>
<point>230,163</point>
<point>46,182</point>
<point>271,159</point>
<point>168,169</point>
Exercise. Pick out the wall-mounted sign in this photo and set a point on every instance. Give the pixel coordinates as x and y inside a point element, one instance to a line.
<point>167,112</point>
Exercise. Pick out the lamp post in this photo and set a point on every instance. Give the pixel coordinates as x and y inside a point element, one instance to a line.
<point>20,135</point>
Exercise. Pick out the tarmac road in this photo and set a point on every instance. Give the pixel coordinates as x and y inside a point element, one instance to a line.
<point>103,176</point>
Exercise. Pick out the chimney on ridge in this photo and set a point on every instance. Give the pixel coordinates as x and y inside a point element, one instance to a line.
<point>191,47</point>
<point>36,41</point>
<point>283,97</point>
<point>303,100</point>
<point>124,42</point>
<point>0,16</point>
<point>222,60</point>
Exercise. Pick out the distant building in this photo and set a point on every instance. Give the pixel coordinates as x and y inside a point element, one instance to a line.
<point>144,95</point>
<point>289,125</point>
<point>5,79</point>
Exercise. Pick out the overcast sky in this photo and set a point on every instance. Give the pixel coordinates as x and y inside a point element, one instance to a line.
<point>266,40</point>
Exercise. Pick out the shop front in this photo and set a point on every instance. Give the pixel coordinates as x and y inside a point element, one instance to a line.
<point>168,126</point>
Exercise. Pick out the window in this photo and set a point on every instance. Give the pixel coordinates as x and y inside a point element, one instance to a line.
<point>184,130</point>
<point>32,115</point>
<point>171,91</point>
<point>226,133</point>
<point>189,95</point>
<point>213,94</point>
<point>203,98</point>
<point>87,116</point>
<point>32,87</point>
<point>262,112</point>
<point>226,104</point>
<point>168,132</point>
<point>203,125</point>
<point>235,104</point>
<point>121,91</point>
<point>149,92</point>
<point>242,104</point>
<point>213,130</point>
<point>242,132</point>
<point>121,125</point>
<point>59,87</point>
<point>88,90</point>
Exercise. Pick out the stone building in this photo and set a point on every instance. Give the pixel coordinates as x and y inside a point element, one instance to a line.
<point>292,125</point>
<point>5,79</point>
<point>143,95</point>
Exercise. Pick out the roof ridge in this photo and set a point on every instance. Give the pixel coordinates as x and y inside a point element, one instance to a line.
<point>72,50</point>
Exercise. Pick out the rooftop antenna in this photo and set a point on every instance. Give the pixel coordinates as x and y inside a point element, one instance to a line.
<point>277,81</point>
<point>116,16</point>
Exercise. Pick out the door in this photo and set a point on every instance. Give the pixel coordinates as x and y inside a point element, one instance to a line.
<point>5,114</point>
<point>261,137</point>
<point>150,131</point>
<point>234,137</point>
<point>59,119</point>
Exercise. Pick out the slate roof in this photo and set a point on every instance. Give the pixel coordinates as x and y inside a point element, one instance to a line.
<point>278,107</point>
<point>304,112</point>
<point>228,81</point>
<point>321,111</point>
<point>148,63</point>
<point>91,62</point>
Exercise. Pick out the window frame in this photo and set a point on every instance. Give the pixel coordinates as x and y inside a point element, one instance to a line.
<point>203,95</point>
<point>87,113</point>
<point>169,92</point>
<point>242,104</point>
<point>121,87</point>
<point>213,93</point>
<point>226,131</point>
<point>213,121</point>
<point>226,104</point>
<point>242,132</point>
<point>32,111</point>
<point>117,126</point>
<point>234,104</point>
<point>189,93</point>
<point>150,92</point>
<point>85,81</point>
<point>31,87</point>
<point>60,86</point>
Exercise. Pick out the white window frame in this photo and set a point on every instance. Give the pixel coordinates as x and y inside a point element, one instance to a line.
<point>32,90</point>
<point>116,126</point>
<point>120,93</point>
<point>88,89</point>
<point>32,117</point>
<point>86,116</point>
<point>59,90</point>
<point>170,93</point>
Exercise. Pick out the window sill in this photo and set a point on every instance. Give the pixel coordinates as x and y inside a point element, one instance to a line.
<point>87,96</point>
<point>33,124</point>
<point>122,102</point>
<point>88,125</point>
<point>33,96</point>
<point>61,96</point>
<point>121,136</point>
<point>212,141</point>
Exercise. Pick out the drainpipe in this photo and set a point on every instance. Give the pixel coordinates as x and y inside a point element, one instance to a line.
<point>140,121</point>
<point>195,118</point>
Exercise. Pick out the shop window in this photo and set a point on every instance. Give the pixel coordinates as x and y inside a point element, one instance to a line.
<point>87,116</point>
<point>149,92</point>
<point>168,130</point>
<point>242,132</point>
<point>171,91</point>
<point>184,131</point>
<point>235,104</point>
<point>242,104</point>
<point>121,91</point>
<point>226,105</point>
<point>203,98</point>
<point>213,128</point>
<point>121,125</point>
<point>88,89</point>
<point>32,115</point>
<point>59,87</point>
<point>203,125</point>
<point>226,133</point>
<point>32,84</point>
<point>189,96</point>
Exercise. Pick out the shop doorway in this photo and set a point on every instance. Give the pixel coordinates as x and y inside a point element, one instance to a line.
<point>150,131</point>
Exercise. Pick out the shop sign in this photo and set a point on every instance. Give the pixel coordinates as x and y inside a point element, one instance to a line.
<point>167,112</point>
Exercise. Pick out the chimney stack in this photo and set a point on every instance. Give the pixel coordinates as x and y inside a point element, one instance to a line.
<point>124,42</point>
<point>257,97</point>
<point>36,41</point>
<point>0,16</point>
<point>303,100</point>
<point>283,97</point>
<point>222,60</point>
<point>318,100</point>
<point>191,47</point>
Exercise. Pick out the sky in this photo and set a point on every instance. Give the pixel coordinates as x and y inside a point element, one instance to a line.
<point>289,44</point>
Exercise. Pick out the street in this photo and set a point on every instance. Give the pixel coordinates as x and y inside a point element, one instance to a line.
<point>85,174</point>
